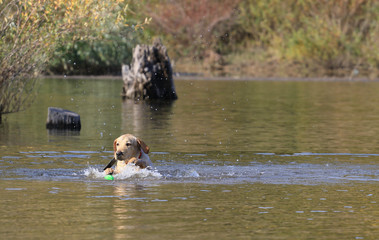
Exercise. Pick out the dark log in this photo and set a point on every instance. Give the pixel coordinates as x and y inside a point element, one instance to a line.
<point>150,74</point>
<point>58,118</point>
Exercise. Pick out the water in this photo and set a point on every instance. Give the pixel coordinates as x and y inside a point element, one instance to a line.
<point>233,160</point>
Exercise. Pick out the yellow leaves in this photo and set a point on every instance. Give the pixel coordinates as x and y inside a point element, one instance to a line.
<point>48,21</point>
<point>31,30</point>
<point>141,25</point>
<point>147,20</point>
<point>125,8</point>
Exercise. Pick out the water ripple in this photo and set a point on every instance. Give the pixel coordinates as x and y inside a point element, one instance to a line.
<point>199,168</point>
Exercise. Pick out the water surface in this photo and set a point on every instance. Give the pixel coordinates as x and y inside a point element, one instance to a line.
<point>233,160</point>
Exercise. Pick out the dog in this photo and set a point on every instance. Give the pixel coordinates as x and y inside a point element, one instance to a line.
<point>128,149</point>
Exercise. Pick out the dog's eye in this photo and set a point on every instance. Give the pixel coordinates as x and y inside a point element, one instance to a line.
<point>117,144</point>
<point>128,144</point>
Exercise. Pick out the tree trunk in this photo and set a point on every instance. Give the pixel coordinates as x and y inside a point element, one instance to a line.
<point>150,74</point>
<point>58,118</point>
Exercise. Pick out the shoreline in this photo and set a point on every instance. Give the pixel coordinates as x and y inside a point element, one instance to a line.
<point>198,77</point>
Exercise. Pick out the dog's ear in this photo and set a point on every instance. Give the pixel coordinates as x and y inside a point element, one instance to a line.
<point>115,146</point>
<point>143,146</point>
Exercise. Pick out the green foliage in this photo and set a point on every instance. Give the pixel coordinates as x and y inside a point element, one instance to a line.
<point>324,34</point>
<point>103,55</point>
<point>95,57</point>
<point>30,32</point>
<point>330,34</point>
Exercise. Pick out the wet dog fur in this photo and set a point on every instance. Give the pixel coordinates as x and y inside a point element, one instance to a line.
<point>128,149</point>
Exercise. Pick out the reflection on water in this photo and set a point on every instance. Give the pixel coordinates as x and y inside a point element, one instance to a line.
<point>233,160</point>
<point>59,132</point>
<point>122,210</point>
<point>137,116</point>
<point>269,117</point>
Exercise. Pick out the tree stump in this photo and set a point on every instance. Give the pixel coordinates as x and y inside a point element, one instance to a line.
<point>150,74</point>
<point>58,118</point>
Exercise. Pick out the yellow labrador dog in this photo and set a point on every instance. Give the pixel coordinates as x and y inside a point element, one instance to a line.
<point>128,149</point>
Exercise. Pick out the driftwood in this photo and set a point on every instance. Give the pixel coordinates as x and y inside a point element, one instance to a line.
<point>58,118</point>
<point>150,74</point>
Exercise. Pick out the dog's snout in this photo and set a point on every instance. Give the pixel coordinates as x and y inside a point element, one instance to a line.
<point>119,153</point>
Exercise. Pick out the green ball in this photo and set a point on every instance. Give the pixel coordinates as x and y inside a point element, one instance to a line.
<point>109,177</point>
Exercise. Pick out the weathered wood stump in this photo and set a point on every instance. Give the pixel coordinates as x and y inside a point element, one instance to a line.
<point>150,74</point>
<point>58,118</point>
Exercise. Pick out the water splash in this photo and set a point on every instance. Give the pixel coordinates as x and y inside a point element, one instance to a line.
<point>297,168</point>
<point>93,173</point>
<point>131,172</point>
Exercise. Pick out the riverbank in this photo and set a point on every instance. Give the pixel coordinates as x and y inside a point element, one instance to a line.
<point>240,66</point>
<point>205,77</point>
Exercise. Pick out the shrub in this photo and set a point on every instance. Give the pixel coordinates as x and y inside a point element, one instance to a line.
<point>324,35</point>
<point>30,31</point>
<point>332,34</point>
<point>188,26</point>
<point>94,57</point>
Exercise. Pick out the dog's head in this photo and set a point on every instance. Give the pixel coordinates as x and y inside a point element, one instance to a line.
<point>128,146</point>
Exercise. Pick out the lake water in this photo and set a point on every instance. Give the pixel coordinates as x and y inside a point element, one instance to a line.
<point>233,160</point>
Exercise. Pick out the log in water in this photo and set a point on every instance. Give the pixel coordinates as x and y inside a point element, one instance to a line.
<point>58,118</point>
